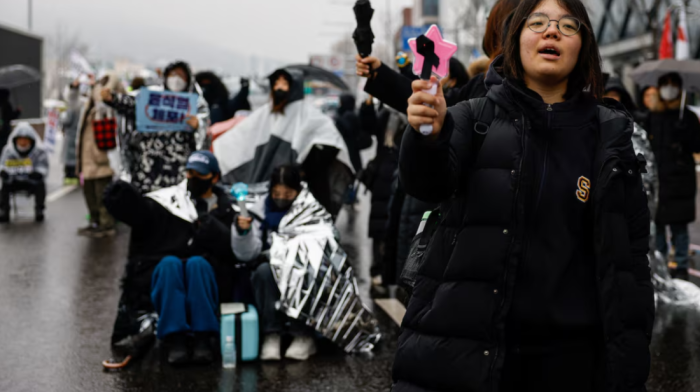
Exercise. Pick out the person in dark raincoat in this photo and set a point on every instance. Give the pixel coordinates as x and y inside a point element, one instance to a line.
<point>221,106</point>
<point>674,140</point>
<point>348,125</point>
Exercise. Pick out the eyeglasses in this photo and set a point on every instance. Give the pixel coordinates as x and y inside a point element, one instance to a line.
<point>539,23</point>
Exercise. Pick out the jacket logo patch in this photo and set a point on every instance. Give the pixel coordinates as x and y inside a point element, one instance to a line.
<point>584,189</point>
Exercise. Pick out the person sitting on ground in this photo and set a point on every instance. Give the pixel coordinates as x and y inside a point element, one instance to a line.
<point>250,238</point>
<point>181,237</point>
<point>23,166</point>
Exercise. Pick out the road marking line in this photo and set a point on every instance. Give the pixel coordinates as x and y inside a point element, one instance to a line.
<point>393,307</point>
<point>59,193</point>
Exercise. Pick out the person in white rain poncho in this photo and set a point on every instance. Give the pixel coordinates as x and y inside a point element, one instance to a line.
<point>288,131</point>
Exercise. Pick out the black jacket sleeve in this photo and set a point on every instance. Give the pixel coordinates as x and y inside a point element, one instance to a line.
<point>636,294</point>
<point>475,88</point>
<point>430,169</point>
<point>694,128</point>
<point>213,237</point>
<point>368,118</point>
<point>239,102</point>
<point>126,204</point>
<point>390,87</point>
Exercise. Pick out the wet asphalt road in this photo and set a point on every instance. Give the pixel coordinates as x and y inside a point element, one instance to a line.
<point>58,298</point>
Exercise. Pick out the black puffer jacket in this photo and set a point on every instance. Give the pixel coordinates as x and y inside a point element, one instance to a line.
<point>453,336</point>
<point>674,143</point>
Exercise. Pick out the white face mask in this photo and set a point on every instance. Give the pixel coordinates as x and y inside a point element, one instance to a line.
<point>669,92</point>
<point>176,83</point>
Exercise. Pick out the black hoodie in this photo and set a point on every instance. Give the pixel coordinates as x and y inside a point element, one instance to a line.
<point>555,295</point>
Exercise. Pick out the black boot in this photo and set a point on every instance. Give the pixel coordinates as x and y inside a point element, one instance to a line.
<point>178,354</point>
<point>4,215</point>
<point>39,215</point>
<point>202,352</point>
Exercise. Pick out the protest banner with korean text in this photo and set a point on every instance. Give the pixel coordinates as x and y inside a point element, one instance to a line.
<point>158,111</point>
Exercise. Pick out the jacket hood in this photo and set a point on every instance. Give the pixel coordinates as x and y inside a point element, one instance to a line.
<point>296,83</point>
<point>615,84</point>
<point>514,96</point>
<point>23,129</point>
<point>347,103</point>
<point>188,71</point>
<point>213,89</point>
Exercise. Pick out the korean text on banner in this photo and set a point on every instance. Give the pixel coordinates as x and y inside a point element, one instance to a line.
<point>158,111</point>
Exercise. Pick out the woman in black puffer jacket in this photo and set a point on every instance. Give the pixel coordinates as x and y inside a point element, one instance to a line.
<point>537,276</point>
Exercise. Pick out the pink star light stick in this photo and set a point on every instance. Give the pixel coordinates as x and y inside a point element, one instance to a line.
<point>433,52</point>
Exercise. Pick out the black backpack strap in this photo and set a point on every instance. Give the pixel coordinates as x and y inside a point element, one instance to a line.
<point>483,111</point>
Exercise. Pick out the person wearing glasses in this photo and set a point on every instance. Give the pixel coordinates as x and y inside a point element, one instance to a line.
<point>536,277</point>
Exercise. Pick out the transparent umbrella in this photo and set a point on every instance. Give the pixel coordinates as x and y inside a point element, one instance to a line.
<point>13,76</point>
<point>648,74</point>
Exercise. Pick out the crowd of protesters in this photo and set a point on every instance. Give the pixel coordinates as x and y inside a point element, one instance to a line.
<point>536,276</point>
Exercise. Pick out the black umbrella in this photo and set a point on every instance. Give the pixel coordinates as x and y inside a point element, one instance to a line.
<point>311,72</point>
<point>363,35</point>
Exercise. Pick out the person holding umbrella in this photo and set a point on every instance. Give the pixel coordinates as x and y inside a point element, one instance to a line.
<point>675,136</point>
<point>7,114</point>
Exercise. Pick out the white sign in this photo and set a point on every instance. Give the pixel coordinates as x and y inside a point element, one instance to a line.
<point>334,63</point>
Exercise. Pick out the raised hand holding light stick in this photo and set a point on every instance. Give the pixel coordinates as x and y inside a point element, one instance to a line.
<point>432,55</point>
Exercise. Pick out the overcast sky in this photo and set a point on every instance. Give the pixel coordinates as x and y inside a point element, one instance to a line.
<point>212,31</point>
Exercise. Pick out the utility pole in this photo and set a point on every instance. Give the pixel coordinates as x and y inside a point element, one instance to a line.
<point>390,40</point>
<point>29,14</point>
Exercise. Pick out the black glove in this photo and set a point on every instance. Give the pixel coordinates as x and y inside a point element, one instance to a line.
<point>36,176</point>
<point>244,83</point>
<point>211,233</point>
<point>4,175</point>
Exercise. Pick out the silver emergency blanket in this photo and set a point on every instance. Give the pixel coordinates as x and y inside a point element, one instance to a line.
<point>315,278</point>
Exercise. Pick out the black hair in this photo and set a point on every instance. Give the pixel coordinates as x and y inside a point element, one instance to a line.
<point>286,175</point>
<point>183,66</point>
<point>586,75</point>
<point>215,90</point>
<point>613,83</point>
<point>137,83</point>
<point>458,72</point>
<point>672,77</point>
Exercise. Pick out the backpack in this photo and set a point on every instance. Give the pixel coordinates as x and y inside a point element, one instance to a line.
<point>486,110</point>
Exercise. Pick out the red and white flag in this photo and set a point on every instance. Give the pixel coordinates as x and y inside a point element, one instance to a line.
<point>682,45</point>
<point>666,47</point>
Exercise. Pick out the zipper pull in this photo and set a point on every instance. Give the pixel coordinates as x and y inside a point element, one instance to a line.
<point>549,108</point>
